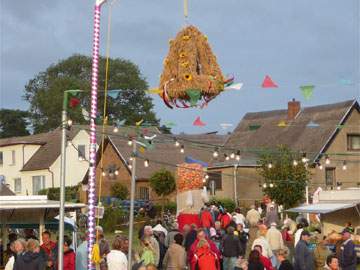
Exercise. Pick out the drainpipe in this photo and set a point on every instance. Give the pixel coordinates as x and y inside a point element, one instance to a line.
<point>52,177</point>
<point>23,154</point>
<point>235,186</point>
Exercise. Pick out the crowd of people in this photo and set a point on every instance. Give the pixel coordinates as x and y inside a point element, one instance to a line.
<point>222,241</point>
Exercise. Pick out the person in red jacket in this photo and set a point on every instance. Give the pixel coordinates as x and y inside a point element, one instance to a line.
<point>202,236</point>
<point>264,260</point>
<point>204,258</point>
<point>69,254</point>
<point>225,219</point>
<point>206,219</point>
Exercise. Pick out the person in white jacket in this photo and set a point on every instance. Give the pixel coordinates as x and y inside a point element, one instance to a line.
<point>261,241</point>
<point>276,242</point>
<point>116,259</point>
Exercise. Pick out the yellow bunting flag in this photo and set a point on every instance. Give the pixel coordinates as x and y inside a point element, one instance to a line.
<point>282,123</point>
<point>139,122</point>
<point>155,91</point>
<point>142,149</point>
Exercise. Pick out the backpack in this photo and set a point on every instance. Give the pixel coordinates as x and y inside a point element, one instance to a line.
<point>205,259</point>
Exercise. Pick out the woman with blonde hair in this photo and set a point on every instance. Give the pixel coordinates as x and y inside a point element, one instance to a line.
<point>282,255</point>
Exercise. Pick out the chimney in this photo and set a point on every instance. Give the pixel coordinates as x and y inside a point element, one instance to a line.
<point>293,109</point>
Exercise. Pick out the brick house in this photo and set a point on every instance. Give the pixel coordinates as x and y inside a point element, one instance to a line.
<point>318,131</point>
<point>117,154</point>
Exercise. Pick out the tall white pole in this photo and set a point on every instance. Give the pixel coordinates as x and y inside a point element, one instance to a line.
<point>62,184</point>
<point>132,199</point>
<point>235,185</point>
<point>307,202</point>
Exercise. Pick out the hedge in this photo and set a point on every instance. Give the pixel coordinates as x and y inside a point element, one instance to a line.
<point>229,204</point>
<point>71,193</point>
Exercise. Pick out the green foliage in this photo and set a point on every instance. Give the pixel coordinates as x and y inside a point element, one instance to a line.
<point>227,203</point>
<point>71,193</point>
<point>119,191</point>
<point>171,206</point>
<point>163,182</point>
<point>13,123</point>
<point>45,92</point>
<point>288,181</point>
<point>113,217</point>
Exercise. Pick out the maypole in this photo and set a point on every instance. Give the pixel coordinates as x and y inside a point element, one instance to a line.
<point>93,112</point>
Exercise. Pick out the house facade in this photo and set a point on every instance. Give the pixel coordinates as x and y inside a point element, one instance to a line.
<point>329,134</point>
<point>31,163</point>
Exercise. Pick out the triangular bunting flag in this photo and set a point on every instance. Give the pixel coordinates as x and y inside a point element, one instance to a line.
<point>268,82</point>
<point>254,127</point>
<point>312,124</point>
<point>236,86</point>
<point>307,91</point>
<point>139,122</point>
<point>194,96</point>
<point>155,91</point>
<point>282,123</point>
<point>345,81</point>
<point>85,114</point>
<point>142,149</point>
<point>198,122</point>
<point>113,93</point>
<point>120,123</point>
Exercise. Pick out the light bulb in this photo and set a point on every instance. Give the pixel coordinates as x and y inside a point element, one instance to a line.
<point>116,172</point>
<point>226,157</point>
<point>177,144</point>
<point>295,163</point>
<point>320,166</point>
<point>206,176</point>
<point>327,160</point>
<point>69,122</point>
<point>130,142</point>
<point>270,165</point>
<point>232,155</point>
<point>304,159</point>
<point>130,166</point>
<point>146,163</point>
<point>115,130</point>
<point>103,173</point>
<point>81,158</point>
<point>182,150</point>
<point>338,188</point>
<point>204,180</point>
<point>264,185</point>
<point>131,158</point>
<point>271,185</point>
<point>344,166</point>
<point>216,153</point>
<point>238,157</point>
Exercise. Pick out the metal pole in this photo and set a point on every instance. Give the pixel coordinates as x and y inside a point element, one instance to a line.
<point>62,183</point>
<point>235,185</point>
<point>307,202</point>
<point>132,198</point>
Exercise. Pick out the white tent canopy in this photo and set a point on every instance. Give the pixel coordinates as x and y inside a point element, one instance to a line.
<point>322,208</point>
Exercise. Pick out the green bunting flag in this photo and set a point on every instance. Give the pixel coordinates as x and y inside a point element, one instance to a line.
<point>194,96</point>
<point>307,91</point>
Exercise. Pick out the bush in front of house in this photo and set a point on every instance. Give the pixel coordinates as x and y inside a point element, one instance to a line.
<point>71,193</point>
<point>113,217</point>
<point>119,191</point>
<point>227,203</point>
<point>171,206</point>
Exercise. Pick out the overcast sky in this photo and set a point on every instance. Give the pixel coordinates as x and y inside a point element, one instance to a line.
<point>296,42</point>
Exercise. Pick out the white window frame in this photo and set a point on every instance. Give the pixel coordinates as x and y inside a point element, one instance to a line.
<point>16,185</point>
<point>13,157</point>
<point>144,193</point>
<point>2,158</point>
<point>42,183</point>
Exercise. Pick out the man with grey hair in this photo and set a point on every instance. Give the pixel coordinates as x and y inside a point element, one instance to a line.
<point>148,233</point>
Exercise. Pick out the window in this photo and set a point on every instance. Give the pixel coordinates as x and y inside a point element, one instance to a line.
<point>38,183</point>
<point>1,159</point>
<point>329,176</point>
<point>81,151</point>
<point>17,185</point>
<point>353,142</point>
<point>143,193</point>
<point>215,177</point>
<point>12,157</point>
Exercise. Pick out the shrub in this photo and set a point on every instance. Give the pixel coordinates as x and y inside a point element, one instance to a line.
<point>71,193</point>
<point>113,216</point>
<point>119,191</point>
<point>227,203</point>
<point>171,206</point>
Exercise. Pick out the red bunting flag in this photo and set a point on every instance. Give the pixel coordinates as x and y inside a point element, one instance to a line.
<point>268,82</point>
<point>73,102</point>
<point>198,122</point>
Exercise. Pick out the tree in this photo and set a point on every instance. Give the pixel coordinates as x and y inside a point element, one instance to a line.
<point>13,123</point>
<point>163,183</point>
<point>284,182</point>
<point>120,191</point>
<point>45,92</point>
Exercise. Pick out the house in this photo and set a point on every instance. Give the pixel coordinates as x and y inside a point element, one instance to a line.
<point>328,134</point>
<point>31,163</point>
<point>114,162</point>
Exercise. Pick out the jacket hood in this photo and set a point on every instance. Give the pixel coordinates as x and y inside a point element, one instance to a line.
<point>30,256</point>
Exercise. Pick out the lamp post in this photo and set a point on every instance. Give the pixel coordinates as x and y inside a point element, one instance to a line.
<point>132,199</point>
